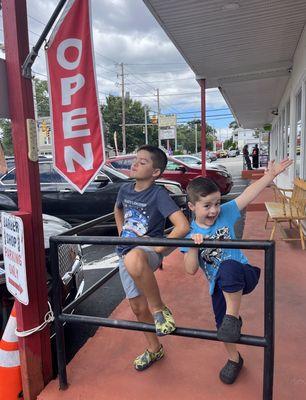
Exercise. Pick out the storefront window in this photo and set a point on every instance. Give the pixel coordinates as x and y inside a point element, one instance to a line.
<point>287,138</point>
<point>298,133</point>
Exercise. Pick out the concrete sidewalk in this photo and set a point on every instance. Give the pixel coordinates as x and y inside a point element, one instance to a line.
<point>103,367</point>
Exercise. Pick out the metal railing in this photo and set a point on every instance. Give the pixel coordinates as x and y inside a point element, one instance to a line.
<point>62,315</point>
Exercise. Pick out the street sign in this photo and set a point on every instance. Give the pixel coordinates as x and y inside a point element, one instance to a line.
<point>14,257</point>
<point>78,148</point>
<point>4,108</point>
<point>169,133</point>
<point>167,120</point>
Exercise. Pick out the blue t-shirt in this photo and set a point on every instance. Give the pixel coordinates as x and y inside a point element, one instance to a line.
<point>223,229</point>
<point>144,212</point>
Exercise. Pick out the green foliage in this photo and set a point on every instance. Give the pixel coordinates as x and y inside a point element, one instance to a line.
<point>229,144</point>
<point>233,125</point>
<point>267,127</point>
<point>6,136</point>
<point>134,114</point>
<point>186,136</point>
<point>42,98</point>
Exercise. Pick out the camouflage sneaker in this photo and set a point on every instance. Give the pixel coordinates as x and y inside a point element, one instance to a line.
<point>146,359</point>
<point>164,322</point>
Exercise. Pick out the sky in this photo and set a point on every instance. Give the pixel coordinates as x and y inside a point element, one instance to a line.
<point>124,31</point>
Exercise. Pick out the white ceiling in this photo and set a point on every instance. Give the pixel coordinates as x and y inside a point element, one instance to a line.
<point>245,47</point>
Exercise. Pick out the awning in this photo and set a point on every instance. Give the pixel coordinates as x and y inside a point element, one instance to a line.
<point>245,48</point>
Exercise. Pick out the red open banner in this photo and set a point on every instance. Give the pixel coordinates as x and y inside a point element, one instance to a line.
<point>77,137</point>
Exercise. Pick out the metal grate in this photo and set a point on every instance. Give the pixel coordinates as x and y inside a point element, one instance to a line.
<point>67,254</point>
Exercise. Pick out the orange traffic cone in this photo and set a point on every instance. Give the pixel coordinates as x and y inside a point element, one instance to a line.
<point>10,375</point>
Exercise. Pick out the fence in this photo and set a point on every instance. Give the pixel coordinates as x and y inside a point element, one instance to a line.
<point>62,315</point>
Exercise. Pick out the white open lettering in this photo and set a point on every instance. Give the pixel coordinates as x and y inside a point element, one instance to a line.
<point>69,122</point>
<point>72,155</point>
<point>70,86</point>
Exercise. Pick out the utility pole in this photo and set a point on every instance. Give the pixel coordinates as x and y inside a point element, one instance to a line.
<point>158,115</point>
<point>146,123</point>
<point>196,137</point>
<point>123,110</point>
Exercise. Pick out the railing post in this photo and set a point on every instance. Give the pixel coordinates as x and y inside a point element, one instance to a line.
<point>57,309</point>
<point>269,300</point>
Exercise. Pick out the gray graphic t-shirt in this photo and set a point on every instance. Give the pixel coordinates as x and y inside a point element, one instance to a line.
<point>144,212</point>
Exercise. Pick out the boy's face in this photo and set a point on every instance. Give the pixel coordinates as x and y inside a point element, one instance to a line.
<point>142,167</point>
<point>207,209</point>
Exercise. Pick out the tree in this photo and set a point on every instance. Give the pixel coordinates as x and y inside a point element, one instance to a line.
<point>230,144</point>
<point>233,125</point>
<point>42,98</point>
<point>186,136</point>
<point>134,114</point>
<point>6,136</point>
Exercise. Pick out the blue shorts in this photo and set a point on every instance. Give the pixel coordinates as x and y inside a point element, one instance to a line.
<point>232,277</point>
<point>128,283</point>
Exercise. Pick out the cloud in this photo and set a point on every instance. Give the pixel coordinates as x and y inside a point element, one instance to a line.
<point>125,31</point>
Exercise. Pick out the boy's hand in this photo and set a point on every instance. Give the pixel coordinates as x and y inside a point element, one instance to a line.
<point>252,191</point>
<point>276,169</point>
<point>197,238</point>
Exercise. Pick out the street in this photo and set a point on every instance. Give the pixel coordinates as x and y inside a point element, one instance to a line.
<point>100,260</point>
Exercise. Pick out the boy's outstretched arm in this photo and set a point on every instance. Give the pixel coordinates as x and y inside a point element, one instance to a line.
<point>191,261</point>
<point>252,191</point>
<point>180,229</point>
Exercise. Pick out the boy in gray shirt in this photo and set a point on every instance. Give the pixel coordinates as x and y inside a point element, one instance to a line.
<point>141,210</point>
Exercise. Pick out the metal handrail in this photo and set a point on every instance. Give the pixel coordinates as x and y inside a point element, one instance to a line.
<point>62,316</point>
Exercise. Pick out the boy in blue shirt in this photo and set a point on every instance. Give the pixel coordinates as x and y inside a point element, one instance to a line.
<point>141,210</point>
<point>228,272</point>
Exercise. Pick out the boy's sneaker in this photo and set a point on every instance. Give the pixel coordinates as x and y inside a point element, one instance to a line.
<point>230,329</point>
<point>230,371</point>
<point>164,322</point>
<point>146,359</point>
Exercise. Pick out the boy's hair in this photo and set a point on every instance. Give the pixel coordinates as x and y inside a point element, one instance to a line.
<point>158,157</point>
<point>201,187</point>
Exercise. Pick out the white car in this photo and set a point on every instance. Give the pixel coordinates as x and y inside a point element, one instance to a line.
<point>196,161</point>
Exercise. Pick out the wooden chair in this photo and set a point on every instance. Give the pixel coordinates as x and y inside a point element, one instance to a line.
<point>289,209</point>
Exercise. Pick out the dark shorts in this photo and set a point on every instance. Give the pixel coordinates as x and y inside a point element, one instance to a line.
<point>232,277</point>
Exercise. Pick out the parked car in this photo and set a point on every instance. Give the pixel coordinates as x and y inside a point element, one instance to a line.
<point>178,171</point>
<point>189,159</point>
<point>232,153</point>
<point>63,201</point>
<point>222,153</point>
<point>70,267</point>
<point>195,161</point>
<point>211,155</point>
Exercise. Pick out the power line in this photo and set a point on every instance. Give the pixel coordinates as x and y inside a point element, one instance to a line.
<point>198,111</point>
<point>37,20</point>
<point>170,80</point>
<point>177,94</point>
